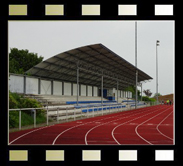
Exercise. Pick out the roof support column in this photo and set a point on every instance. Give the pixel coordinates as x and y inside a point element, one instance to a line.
<point>141,91</point>
<point>51,87</point>
<point>136,95</point>
<point>117,90</point>
<point>24,90</point>
<point>77,82</point>
<point>102,88</point>
<point>128,91</point>
<point>39,85</point>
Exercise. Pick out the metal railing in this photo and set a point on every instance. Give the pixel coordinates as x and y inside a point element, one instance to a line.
<point>28,109</point>
<point>69,113</point>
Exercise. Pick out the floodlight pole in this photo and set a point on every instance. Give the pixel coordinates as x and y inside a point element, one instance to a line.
<point>157,44</point>
<point>136,63</point>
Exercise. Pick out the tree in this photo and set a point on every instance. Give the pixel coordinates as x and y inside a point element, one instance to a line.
<point>156,95</point>
<point>22,60</point>
<point>147,92</point>
<point>146,98</point>
<point>133,90</point>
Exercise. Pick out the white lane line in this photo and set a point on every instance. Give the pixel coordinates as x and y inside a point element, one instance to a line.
<point>112,133</point>
<point>29,133</point>
<point>160,124</point>
<point>84,124</point>
<point>53,125</point>
<point>41,129</point>
<point>145,122</point>
<point>107,123</point>
<point>131,112</point>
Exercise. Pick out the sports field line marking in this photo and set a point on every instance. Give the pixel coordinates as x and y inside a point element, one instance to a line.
<point>160,124</point>
<point>37,130</point>
<point>112,133</point>
<point>131,112</point>
<point>147,121</point>
<point>107,123</point>
<point>29,133</point>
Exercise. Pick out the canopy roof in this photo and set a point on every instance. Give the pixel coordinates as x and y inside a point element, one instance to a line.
<point>92,61</point>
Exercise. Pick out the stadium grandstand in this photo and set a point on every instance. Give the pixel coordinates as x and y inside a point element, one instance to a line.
<point>88,76</point>
<point>84,98</point>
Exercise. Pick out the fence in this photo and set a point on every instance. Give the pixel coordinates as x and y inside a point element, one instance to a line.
<point>64,114</point>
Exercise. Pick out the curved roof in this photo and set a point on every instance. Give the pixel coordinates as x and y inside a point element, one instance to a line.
<point>93,61</point>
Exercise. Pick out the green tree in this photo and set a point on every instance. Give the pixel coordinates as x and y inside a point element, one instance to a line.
<point>133,90</point>
<point>156,95</point>
<point>146,98</point>
<point>22,60</point>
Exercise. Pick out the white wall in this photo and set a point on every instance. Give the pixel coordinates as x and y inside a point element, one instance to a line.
<point>114,91</point>
<point>121,93</point>
<point>124,93</point>
<point>74,89</point>
<point>95,91</point>
<point>57,88</point>
<point>45,87</point>
<point>83,90</point>
<point>130,94</point>
<point>117,93</point>
<point>16,84</point>
<point>89,90</point>
<point>67,88</point>
<point>31,85</point>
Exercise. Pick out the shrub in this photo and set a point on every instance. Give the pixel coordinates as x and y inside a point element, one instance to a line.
<point>18,101</point>
<point>13,103</point>
<point>13,119</point>
<point>145,98</point>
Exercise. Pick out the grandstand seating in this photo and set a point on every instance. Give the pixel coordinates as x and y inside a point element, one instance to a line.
<point>128,101</point>
<point>83,101</point>
<point>88,102</point>
<point>53,99</point>
<point>61,107</point>
<point>103,108</point>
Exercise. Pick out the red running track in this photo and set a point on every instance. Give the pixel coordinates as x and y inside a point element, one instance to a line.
<point>150,125</point>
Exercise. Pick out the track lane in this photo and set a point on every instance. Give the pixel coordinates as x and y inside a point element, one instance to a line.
<point>165,127</point>
<point>74,132</point>
<point>45,135</point>
<point>94,136</point>
<point>147,130</point>
<point>66,137</point>
<point>125,133</point>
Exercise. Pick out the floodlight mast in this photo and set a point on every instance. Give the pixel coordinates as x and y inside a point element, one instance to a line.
<point>157,44</point>
<point>136,63</point>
